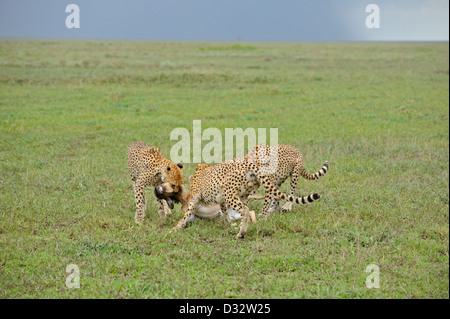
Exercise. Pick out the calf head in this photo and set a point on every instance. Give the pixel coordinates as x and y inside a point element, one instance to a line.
<point>177,194</point>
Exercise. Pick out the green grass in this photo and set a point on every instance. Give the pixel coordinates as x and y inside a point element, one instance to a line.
<point>377,112</point>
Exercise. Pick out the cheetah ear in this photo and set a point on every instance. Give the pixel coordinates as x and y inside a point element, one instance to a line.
<point>180,165</point>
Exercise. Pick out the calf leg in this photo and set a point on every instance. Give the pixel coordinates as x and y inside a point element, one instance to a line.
<point>193,205</point>
<point>164,208</point>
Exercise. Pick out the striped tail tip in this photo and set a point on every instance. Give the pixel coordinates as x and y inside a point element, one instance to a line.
<point>324,169</point>
<point>307,199</point>
<point>313,197</point>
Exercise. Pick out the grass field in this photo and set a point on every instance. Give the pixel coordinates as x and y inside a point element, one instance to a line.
<point>377,112</point>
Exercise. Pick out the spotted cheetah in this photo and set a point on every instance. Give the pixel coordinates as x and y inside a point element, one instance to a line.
<point>165,191</point>
<point>290,164</point>
<point>148,167</point>
<point>230,184</point>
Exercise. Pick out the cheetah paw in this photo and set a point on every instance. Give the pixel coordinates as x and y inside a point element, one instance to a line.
<point>286,208</point>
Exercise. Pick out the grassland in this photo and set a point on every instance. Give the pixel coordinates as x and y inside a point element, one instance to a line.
<point>377,112</point>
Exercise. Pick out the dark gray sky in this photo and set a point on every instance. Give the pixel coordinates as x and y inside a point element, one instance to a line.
<point>231,20</point>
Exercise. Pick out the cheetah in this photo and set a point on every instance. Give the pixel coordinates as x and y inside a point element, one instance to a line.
<point>290,164</point>
<point>230,184</point>
<point>148,167</point>
<point>165,191</point>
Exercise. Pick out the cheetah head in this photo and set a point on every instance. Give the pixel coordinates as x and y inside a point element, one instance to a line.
<point>173,175</point>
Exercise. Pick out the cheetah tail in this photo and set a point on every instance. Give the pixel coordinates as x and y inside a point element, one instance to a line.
<point>298,200</point>
<point>316,175</point>
<point>278,195</point>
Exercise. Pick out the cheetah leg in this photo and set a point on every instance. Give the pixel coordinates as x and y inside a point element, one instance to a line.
<point>270,205</point>
<point>140,201</point>
<point>265,211</point>
<point>274,206</point>
<point>268,200</point>
<point>235,203</point>
<point>193,205</point>
<point>287,207</point>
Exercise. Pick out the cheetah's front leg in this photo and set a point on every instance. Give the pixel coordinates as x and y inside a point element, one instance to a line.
<point>271,202</point>
<point>270,205</point>
<point>235,203</point>
<point>140,201</point>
